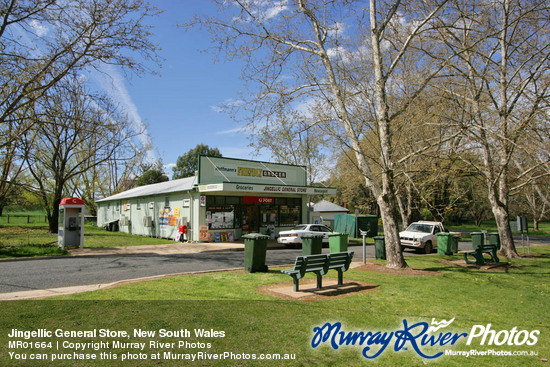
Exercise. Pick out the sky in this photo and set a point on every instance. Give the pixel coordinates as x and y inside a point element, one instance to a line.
<point>181,106</point>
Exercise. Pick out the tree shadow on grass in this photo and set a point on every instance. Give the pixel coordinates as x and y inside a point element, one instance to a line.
<point>503,267</point>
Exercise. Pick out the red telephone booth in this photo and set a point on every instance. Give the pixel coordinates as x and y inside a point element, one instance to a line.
<point>71,223</point>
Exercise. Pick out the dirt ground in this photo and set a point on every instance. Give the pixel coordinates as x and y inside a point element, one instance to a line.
<point>308,291</point>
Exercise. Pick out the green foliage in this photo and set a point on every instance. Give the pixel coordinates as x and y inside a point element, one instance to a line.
<point>151,174</point>
<point>187,164</point>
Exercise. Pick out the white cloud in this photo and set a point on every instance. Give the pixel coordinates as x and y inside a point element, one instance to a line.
<point>339,52</point>
<point>38,28</point>
<point>217,109</point>
<point>113,84</point>
<point>236,130</point>
<point>263,9</point>
<point>337,29</point>
<point>227,105</point>
<point>275,9</point>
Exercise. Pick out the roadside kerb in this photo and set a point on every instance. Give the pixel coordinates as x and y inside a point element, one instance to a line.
<point>53,292</point>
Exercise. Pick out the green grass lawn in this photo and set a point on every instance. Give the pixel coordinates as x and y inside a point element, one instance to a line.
<point>490,226</point>
<point>21,241</point>
<point>256,323</point>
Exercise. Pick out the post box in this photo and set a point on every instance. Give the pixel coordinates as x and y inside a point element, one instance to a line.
<point>71,223</point>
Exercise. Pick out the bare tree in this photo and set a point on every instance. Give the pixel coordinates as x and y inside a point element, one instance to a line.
<point>74,134</point>
<point>502,79</point>
<point>43,41</point>
<point>297,51</point>
<point>291,140</point>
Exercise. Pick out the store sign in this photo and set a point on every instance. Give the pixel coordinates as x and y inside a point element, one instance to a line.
<point>212,187</point>
<point>257,172</point>
<point>269,189</point>
<point>258,200</point>
<point>213,170</point>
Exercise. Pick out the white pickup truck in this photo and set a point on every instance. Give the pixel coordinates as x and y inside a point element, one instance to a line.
<point>421,235</point>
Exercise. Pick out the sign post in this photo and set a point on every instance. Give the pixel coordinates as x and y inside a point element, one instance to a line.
<point>523,226</point>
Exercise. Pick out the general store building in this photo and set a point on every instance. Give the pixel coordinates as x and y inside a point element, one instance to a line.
<point>228,198</point>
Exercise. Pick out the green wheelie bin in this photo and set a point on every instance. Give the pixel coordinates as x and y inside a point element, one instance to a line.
<point>444,240</point>
<point>338,242</point>
<point>494,239</point>
<point>454,244</point>
<point>312,244</point>
<point>380,247</point>
<point>478,240</point>
<point>255,248</point>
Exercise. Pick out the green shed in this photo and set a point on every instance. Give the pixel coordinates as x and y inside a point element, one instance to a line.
<point>349,223</point>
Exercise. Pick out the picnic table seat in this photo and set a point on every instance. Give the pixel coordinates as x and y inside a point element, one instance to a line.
<point>477,253</point>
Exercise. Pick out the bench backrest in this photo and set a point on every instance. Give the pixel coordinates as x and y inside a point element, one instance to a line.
<point>340,260</point>
<point>323,262</point>
<point>304,264</point>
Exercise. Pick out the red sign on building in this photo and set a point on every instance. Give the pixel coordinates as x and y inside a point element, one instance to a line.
<point>258,200</point>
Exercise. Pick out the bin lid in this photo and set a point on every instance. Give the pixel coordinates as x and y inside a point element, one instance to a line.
<point>378,237</point>
<point>255,236</point>
<point>443,234</point>
<point>337,234</point>
<point>312,235</point>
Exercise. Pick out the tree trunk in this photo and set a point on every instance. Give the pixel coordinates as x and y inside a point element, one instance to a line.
<point>502,219</point>
<point>405,206</point>
<point>394,255</point>
<point>53,220</point>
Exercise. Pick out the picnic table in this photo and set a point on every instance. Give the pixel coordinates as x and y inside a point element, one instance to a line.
<point>478,251</point>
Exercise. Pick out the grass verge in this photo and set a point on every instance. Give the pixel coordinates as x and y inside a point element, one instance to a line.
<point>37,241</point>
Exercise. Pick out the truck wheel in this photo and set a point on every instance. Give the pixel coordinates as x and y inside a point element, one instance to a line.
<point>428,247</point>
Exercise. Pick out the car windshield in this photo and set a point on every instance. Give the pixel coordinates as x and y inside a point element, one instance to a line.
<point>417,227</point>
<point>299,228</point>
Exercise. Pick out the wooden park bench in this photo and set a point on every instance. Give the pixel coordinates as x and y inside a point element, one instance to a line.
<point>320,265</point>
<point>478,252</point>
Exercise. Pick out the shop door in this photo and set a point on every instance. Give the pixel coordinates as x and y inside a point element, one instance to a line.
<point>250,218</point>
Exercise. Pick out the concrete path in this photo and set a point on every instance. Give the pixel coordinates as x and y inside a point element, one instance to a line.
<point>171,249</point>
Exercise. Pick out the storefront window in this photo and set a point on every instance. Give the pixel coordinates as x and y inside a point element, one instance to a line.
<point>225,212</point>
<point>268,215</point>
<point>220,217</point>
<point>289,215</point>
